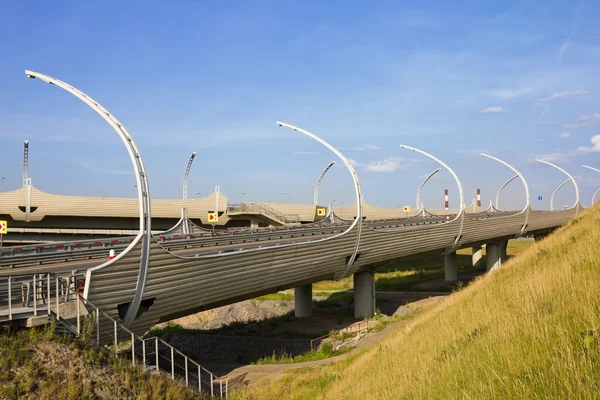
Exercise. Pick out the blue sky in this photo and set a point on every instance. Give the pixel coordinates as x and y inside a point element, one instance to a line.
<point>516,79</point>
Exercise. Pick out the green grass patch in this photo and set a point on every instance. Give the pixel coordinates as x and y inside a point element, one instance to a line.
<point>276,296</point>
<point>325,351</point>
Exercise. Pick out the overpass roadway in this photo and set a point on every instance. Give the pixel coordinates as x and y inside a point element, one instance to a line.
<point>187,277</point>
<point>147,282</point>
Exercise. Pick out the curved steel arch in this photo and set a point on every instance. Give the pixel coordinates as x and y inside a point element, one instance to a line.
<point>594,196</point>
<point>143,194</point>
<point>501,188</point>
<point>570,178</point>
<point>527,200</point>
<point>316,196</point>
<point>358,192</point>
<point>461,214</point>
<point>597,191</point>
<point>187,174</point>
<point>419,204</point>
<point>325,239</point>
<point>556,190</point>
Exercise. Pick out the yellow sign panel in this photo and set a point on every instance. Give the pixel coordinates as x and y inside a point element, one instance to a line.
<point>3,227</point>
<point>321,212</point>
<point>213,217</point>
<point>406,208</point>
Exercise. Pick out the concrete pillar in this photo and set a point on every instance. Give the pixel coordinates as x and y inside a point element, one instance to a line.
<point>477,256</point>
<point>364,294</point>
<point>493,256</point>
<point>450,267</point>
<point>503,246</point>
<point>254,222</point>
<point>303,301</point>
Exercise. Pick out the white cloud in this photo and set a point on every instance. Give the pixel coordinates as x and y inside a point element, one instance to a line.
<point>493,110</point>
<point>594,148</point>
<point>585,120</point>
<point>389,164</point>
<point>507,94</point>
<point>560,95</point>
<point>559,157</point>
<point>565,135</point>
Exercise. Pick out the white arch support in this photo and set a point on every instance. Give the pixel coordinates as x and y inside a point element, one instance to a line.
<point>357,190</point>
<point>186,175</point>
<point>501,188</point>
<point>351,259</point>
<point>316,196</point>
<point>570,178</point>
<point>596,192</point>
<point>556,190</point>
<point>594,196</point>
<point>419,204</point>
<point>461,213</point>
<point>143,195</point>
<point>527,200</point>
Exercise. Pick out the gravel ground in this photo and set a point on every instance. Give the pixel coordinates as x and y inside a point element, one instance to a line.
<point>242,312</point>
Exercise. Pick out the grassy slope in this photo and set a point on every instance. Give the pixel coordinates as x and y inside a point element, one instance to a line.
<point>529,330</point>
<point>38,364</point>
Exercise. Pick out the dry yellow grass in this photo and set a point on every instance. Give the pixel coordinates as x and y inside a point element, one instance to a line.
<point>527,331</point>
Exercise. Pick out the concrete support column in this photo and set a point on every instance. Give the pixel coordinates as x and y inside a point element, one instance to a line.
<point>254,222</point>
<point>364,294</point>
<point>450,267</point>
<point>477,256</point>
<point>493,256</point>
<point>503,246</point>
<point>303,301</point>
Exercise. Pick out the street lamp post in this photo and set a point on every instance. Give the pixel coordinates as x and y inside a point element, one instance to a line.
<point>186,175</point>
<point>419,195</point>
<point>143,196</point>
<point>316,195</point>
<point>358,221</point>
<point>593,169</point>
<point>570,178</point>
<point>527,202</point>
<point>242,196</point>
<point>554,193</point>
<point>501,188</point>
<point>461,213</point>
<point>297,193</point>
<point>2,184</point>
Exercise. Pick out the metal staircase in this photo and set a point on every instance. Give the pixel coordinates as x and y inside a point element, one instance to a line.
<point>56,297</point>
<point>266,211</point>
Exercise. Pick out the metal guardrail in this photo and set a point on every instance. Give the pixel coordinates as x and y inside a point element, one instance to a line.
<point>57,296</point>
<point>59,252</point>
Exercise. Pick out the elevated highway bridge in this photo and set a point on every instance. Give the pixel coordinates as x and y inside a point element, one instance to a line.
<point>156,278</point>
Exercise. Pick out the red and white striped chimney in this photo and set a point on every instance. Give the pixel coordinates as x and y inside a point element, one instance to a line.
<point>446,198</point>
<point>478,197</point>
